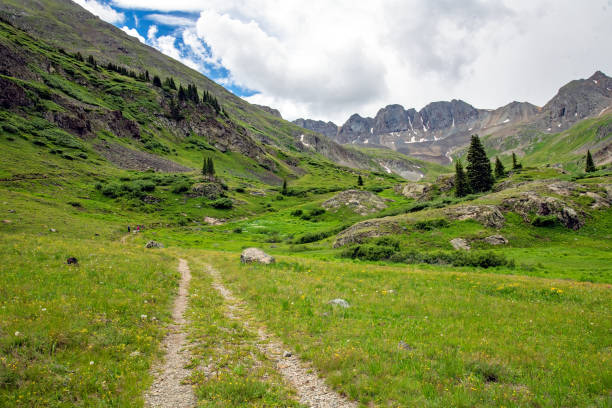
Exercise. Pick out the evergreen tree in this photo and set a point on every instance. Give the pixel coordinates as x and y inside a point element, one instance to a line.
<point>205,170</point>
<point>500,171</point>
<point>157,81</point>
<point>359,181</point>
<point>92,61</point>
<point>284,191</point>
<point>175,111</point>
<point>211,167</point>
<point>462,187</point>
<point>181,93</point>
<point>590,165</point>
<point>515,164</point>
<point>478,167</point>
<point>147,75</point>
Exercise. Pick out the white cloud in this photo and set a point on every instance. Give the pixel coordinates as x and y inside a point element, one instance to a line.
<point>133,32</point>
<point>171,20</point>
<point>104,11</point>
<point>166,44</point>
<point>327,60</point>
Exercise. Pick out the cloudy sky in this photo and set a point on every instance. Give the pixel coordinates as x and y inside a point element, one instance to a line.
<point>326,59</point>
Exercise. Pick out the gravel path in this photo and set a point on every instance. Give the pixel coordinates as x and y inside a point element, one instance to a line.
<point>167,390</point>
<point>311,389</point>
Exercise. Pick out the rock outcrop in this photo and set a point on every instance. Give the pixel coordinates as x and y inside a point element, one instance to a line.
<point>530,203</point>
<point>460,244</point>
<point>418,191</point>
<point>488,215</point>
<point>210,190</point>
<point>367,229</point>
<point>329,129</point>
<point>154,244</point>
<point>496,240</point>
<point>255,255</point>
<point>359,201</point>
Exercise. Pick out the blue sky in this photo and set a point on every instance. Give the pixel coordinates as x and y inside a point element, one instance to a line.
<point>326,60</point>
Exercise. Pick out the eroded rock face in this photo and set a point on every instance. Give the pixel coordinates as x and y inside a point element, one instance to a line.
<point>460,244</point>
<point>598,201</point>
<point>532,203</point>
<point>329,129</point>
<point>418,191</point>
<point>488,215</point>
<point>496,240</point>
<point>564,188</point>
<point>367,229</point>
<point>359,201</point>
<point>255,255</point>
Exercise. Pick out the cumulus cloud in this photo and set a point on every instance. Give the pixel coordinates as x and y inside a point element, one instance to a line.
<point>104,11</point>
<point>166,44</point>
<point>133,32</point>
<point>327,60</point>
<point>171,20</point>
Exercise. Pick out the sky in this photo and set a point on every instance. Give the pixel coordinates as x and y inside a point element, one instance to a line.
<point>326,60</point>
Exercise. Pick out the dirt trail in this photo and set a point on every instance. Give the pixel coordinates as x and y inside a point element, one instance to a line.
<point>125,238</point>
<point>167,390</point>
<point>311,389</point>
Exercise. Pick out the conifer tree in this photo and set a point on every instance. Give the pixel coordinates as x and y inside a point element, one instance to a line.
<point>500,171</point>
<point>147,75</point>
<point>515,164</point>
<point>479,167</point>
<point>359,181</point>
<point>462,187</point>
<point>284,190</point>
<point>590,165</point>
<point>211,167</point>
<point>181,93</point>
<point>157,81</point>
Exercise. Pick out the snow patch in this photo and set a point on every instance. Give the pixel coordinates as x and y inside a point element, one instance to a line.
<point>371,131</point>
<point>388,170</point>
<point>302,141</point>
<point>506,121</point>
<point>453,125</point>
<point>558,125</point>
<point>448,156</point>
<point>602,111</point>
<point>367,141</point>
<point>595,82</point>
<point>470,129</point>
<point>549,129</point>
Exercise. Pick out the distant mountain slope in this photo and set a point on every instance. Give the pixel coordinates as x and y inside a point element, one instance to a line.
<point>438,129</point>
<point>68,26</point>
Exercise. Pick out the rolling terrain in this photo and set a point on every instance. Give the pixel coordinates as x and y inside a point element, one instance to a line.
<point>384,291</point>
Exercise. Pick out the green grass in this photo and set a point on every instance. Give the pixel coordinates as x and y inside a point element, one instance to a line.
<point>79,335</point>
<point>473,339</point>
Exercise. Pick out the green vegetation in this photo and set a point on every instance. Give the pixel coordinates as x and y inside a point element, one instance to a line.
<point>590,165</point>
<point>502,324</point>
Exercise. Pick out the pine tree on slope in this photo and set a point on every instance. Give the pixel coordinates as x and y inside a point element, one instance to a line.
<point>479,167</point>
<point>461,183</point>
<point>590,165</point>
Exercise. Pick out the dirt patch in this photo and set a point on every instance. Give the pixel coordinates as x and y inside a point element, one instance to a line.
<point>127,158</point>
<point>311,389</point>
<point>168,390</point>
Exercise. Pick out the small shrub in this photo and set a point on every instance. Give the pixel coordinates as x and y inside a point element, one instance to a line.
<point>297,213</point>
<point>222,204</point>
<point>112,190</point>
<point>179,188</point>
<point>428,225</point>
<point>237,230</point>
<point>7,127</point>
<point>240,190</point>
<point>544,221</point>
<point>369,252</point>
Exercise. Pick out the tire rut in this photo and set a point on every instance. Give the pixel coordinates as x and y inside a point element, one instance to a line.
<point>311,389</point>
<point>168,390</point>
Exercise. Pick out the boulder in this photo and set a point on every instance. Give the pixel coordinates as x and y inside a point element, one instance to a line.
<point>211,190</point>
<point>367,229</point>
<point>488,215</point>
<point>340,302</point>
<point>418,191</point>
<point>460,244</point>
<point>446,182</point>
<point>255,255</point>
<point>532,203</point>
<point>496,240</point>
<point>564,188</point>
<point>598,201</point>
<point>154,244</point>
<point>214,221</point>
<point>359,201</point>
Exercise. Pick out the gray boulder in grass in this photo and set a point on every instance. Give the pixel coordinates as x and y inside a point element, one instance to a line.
<point>154,244</point>
<point>255,255</point>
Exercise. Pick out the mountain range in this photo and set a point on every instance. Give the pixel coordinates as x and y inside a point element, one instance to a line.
<point>436,131</point>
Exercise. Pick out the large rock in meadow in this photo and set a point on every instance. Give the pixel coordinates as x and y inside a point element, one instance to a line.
<point>255,255</point>
<point>418,191</point>
<point>488,215</point>
<point>532,203</point>
<point>359,201</point>
<point>460,244</point>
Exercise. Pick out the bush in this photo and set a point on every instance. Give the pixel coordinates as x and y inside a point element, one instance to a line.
<point>222,204</point>
<point>9,128</point>
<point>313,237</point>
<point>297,213</point>
<point>544,221</point>
<point>428,225</point>
<point>368,252</point>
<point>240,190</point>
<point>181,187</point>
<point>112,190</point>
<point>237,230</point>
